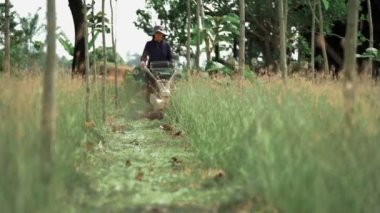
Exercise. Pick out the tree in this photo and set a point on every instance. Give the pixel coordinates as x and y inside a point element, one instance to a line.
<point>98,55</point>
<point>95,21</point>
<point>321,39</point>
<point>282,14</point>
<point>78,64</point>
<point>312,49</point>
<point>87,65</point>
<point>242,38</point>
<point>6,59</point>
<point>14,30</point>
<point>262,26</point>
<point>93,38</point>
<point>198,30</point>
<point>104,65</point>
<point>188,34</point>
<point>207,36</point>
<point>114,54</point>
<point>370,22</point>
<point>48,102</point>
<point>20,54</point>
<point>350,45</point>
<point>31,27</point>
<point>217,29</point>
<point>68,45</point>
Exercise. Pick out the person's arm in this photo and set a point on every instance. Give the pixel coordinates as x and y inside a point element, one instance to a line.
<point>170,55</point>
<point>144,56</point>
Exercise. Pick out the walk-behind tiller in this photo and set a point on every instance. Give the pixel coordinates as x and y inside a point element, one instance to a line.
<point>161,75</point>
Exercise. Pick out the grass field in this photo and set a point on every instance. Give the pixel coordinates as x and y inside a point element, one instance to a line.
<point>263,148</point>
<point>288,147</point>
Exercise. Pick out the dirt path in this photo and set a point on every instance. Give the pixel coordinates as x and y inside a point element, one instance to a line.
<point>143,168</point>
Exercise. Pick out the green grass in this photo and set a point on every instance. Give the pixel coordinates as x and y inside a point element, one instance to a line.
<point>140,145</point>
<point>163,185</point>
<point>281,149</point>
<point>288,147</point>
<point>90,172</point>
<point>21,189</point>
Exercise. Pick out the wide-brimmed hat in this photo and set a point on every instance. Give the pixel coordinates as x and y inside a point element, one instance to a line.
<point>160,29</point>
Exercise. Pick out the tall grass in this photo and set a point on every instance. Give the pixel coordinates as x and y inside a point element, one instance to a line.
<point>289,146</point>
<point>20,111</point>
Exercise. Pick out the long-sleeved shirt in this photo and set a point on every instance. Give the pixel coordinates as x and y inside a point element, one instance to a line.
<point>157,51</point>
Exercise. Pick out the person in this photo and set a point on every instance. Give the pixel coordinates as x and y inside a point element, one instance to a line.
<point>156,50</point>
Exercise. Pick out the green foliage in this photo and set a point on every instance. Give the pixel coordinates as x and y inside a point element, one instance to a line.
<point>109,55</point>
<point>301,15</point>
<point>31,27</point>
<point>96,22</point>
<point>213,67</point>
<point>261,22</point>
<point>370,53</point>
<point>361,38</point>
<point>326,4</point>
<point>143,20</point>
<point>304,48</point>
<point>68,45</point>
<point>288,147</point>
<point>218,29</point>
<point>65,42</point>
<point>12,25</point>
<point>171,15</point>
<point>25,51</point>
<point>249,75</point>
<point>373,52</point>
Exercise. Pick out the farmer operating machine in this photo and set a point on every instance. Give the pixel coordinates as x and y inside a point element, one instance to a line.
<point>160,77</point>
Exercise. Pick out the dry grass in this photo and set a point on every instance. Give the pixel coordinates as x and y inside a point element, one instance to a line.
<point>20,112</point>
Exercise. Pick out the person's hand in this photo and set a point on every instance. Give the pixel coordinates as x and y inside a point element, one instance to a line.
<point>143,64</point>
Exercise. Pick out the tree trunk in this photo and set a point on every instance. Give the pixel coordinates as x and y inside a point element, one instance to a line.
<point>48,105</point>
<point>197,54</point>
<point>208,49</point>
<point>322,40</point>
<point>188,34</point>
<point>242,38</point>
<point>313,40</point>
<point>87,64</point>
<point>78,64</point>
<point>216,48</point>
<point>286,16</point>
<point>370,23</point>
<point>7,57</point>
<point>267,53</point>
<point>217,52</point>
<point>114,55</point>
<point>104,64</point>
<point>282,17</point>
<point>350,45</point>
<point>93,43</point>
<point>235,51</point>
<point>208,45</point>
